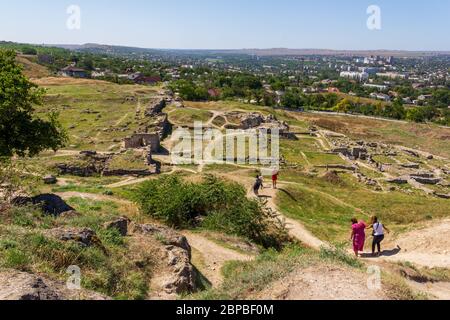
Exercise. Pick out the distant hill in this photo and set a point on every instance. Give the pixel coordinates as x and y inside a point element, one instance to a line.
<point>99,48</point>
<point>327,52</point>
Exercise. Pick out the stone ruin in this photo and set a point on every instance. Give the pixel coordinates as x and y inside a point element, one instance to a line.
<point>154,128</point>
<point>258,121</point>
<point>141,140</point>
<point>89,163</point>
<point>403,173</point>
<point>156,106</point>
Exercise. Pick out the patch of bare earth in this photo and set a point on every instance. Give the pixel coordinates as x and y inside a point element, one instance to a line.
<point>434,291</point>
<point>58,81</point>
<point>324,282</point>
<point>428,246</point>
<point>213,257</point>
<point>16,285</point>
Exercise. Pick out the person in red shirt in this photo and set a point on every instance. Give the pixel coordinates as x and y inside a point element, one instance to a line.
<point>275,178</point>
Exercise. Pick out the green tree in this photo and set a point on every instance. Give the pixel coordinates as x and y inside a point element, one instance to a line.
<point>344,106</point>
<point>416,115</point>
<point>29,51</point>
<point>21,132</point>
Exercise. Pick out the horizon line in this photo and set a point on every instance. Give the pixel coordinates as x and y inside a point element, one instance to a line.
<point>232,49</point>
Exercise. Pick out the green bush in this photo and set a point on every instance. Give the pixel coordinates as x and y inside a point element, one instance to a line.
<point>212,204</point>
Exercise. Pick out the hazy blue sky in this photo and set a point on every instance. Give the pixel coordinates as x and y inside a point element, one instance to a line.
<point>226,24</point>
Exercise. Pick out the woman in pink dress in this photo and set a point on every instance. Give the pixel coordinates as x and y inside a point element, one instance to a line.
<point>358,236</point>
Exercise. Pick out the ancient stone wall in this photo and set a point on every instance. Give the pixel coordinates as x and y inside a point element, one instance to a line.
<point>141,140</point>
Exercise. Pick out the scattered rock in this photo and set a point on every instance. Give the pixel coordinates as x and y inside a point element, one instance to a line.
<point>167,236</point>
<point>120,224</point>
<point>84,236</point>
<point>411,165</point>
<point>398,180</point>
<point>423,180</point>
<point>49,179</point>
<point>412,153</point>
<point>15,285</point>
<point>88,153</point>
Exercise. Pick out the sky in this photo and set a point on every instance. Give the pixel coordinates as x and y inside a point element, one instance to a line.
<point>231,24</point>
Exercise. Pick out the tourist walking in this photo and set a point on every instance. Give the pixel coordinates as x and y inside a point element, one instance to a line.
<point>258,184</point>
<point>358,236</point>
<point>275,178</point>
<point>378,234</point>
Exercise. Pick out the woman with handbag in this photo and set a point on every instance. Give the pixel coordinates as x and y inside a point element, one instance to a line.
<point>378,234</point>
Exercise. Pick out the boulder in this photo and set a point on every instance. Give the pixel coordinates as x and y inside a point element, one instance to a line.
<point>120,224</point>
<point>84,236</point>
<point>88,153</point>
<point>184,275</point>
<point>49,179</point>
<point>411,165</point>
<point>400,180</point>
<point>422,180</point>
<point>50,203</point>
<point>412,153</point>
<point>178,254</point>
<point>169,236</point>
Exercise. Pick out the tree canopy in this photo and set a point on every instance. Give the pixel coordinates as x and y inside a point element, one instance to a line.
<point>22,133</point>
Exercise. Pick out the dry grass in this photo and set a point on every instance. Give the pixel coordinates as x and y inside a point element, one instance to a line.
<point>426,137</point>
<point>31,69</point>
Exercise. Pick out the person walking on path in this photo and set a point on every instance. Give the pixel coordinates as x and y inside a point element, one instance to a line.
<point>275,175</point>
<point>358,235</point>
<point>258,185</point>
<point>378,234</point>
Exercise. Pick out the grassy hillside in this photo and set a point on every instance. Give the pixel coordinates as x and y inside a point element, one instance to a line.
<point>32,69</point>
<point>97,114</point>
<point>425,137</point>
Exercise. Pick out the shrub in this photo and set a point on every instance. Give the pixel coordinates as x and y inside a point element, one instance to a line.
<point>212,204</point>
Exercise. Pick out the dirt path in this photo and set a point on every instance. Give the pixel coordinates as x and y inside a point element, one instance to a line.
<point>296,229</point>
<point>322,282</point>
<point>92,196</point>
<point>428,246</point>
<point>436,291</point>
<point>128,182</point>
<point>121,120</point>
<point>214,257</point>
